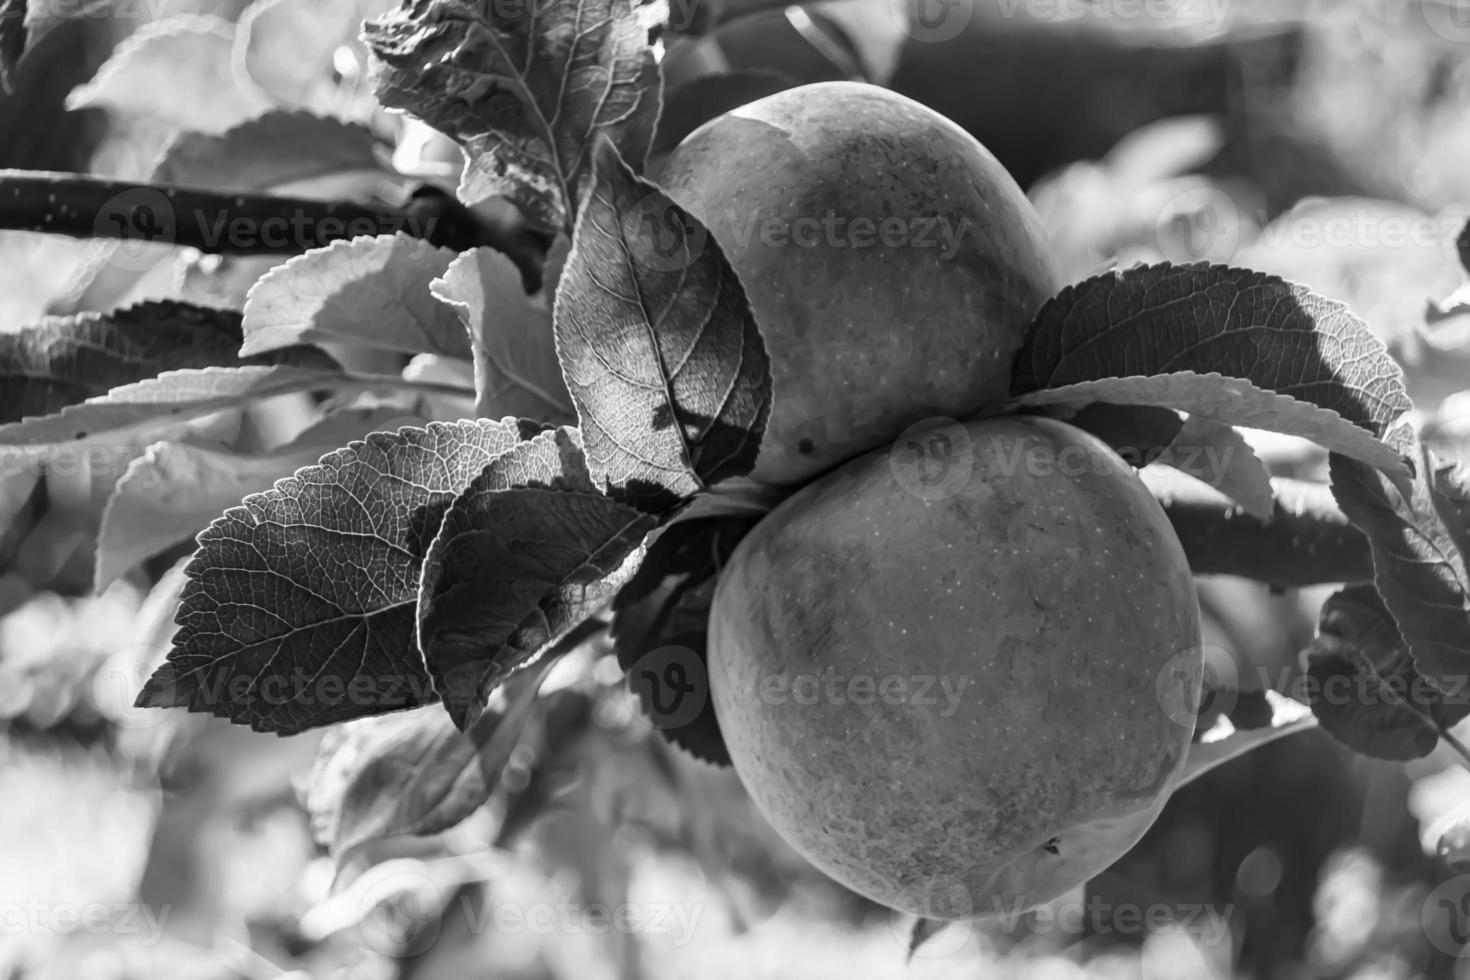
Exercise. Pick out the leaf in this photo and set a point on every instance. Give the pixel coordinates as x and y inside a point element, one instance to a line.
<point>510,334</point>
<point>177,70</point>
<point>1363,686</point>
<point>371,291</point>
<point>924,930</point>
<point>299,610</point>
<point>279,147</point>
<point>1199,320</point>
<point>288,47</point>
<point>1224,741</point>
<point>1416,565</point>
<point>666,605</point>
<point>660,350</point>
<point>526,89</point>
<point>1232,401</point>
<point>174,396</point>
<point>411,773</point>
<point>174,489</point>
<point>691,105</point>
<point>525,554</point>
<point>1219,456</point>
<point>65,359</point>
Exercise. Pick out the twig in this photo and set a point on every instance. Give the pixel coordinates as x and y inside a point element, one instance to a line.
<point>1307,541</point>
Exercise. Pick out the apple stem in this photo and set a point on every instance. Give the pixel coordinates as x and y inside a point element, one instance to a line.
<point>1457,746</point>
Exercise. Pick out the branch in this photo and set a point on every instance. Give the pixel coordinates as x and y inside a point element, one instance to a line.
<point>1308,541</point>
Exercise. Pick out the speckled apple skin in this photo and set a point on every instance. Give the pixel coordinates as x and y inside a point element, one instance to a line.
<point>865,340</point>
<point>1062,603</point>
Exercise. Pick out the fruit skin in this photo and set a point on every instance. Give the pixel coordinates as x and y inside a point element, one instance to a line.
<point>868,331</point>
<point>1059,608</point>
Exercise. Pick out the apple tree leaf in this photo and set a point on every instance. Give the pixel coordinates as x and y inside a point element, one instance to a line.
<point>371,291</point>
<point>288,47</point>
<point>1231,401</point>
<point>1205,320</point>
<point>1138,433</point>
<point>660,626</point>
<point>510,334</point>
<point>1218,455</point>
<point>1364,688</point>
<point>175,396</point>
<point>412,772</point>
<point>659,348</point>
<point>1224,740</point>
<point>1417,566</point>
<point>66,359</point>
<point>526,89</point>
<point>276,148</point>
<point>177,71</point>
<point>175,488</point>
<point>525,554</point>
<point>299,607</point>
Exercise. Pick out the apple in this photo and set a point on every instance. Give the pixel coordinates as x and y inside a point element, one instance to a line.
<point>891,262</point>
<point>956,673</point>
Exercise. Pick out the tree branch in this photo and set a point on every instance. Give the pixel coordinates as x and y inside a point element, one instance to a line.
<point>1308,541</point>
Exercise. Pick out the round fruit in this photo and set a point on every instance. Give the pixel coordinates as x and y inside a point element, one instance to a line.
<point>961,691</point>
<point>891,262</point>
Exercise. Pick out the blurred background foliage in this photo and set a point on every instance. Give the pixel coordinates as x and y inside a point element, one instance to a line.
<point>1241,131</point>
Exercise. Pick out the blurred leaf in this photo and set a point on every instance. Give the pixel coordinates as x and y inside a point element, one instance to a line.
<point>299,610</point>
<point>660,349</point>
<point>1232,401</point>
<point>174,489</point>
<point>666,604</point>
<point>1223,741</point>
<point>411,773</point>
<point>288,47</point>
<point>13,41</point>
<point>1452,844</point>
<point>175,396</point>
<point>177,70</point>
<point>1219,456</point>
<point>1365,690</point>
<point>370,291</point>
<point>691,105</point>
<point>924,930</point>
<point>514,347</point>
<point>63,360</point>
<point>525,89</point>
<point>1420,573</point>
<point>1199,320</point>
<point>524,555</point>
<point>279,147</point>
